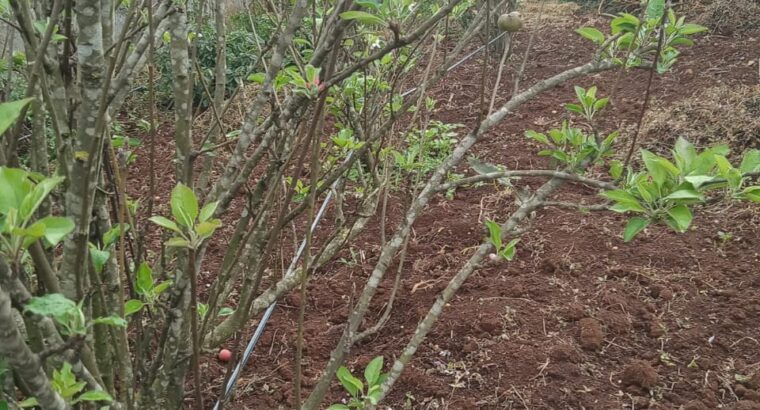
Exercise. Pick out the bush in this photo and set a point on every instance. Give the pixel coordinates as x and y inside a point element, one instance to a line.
<point>241,57</point>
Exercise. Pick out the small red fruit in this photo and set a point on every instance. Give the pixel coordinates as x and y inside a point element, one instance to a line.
<point>225,355</point>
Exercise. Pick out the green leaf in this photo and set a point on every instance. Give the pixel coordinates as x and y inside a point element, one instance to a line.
<point>10,111</point>
<point>184,205</point>
<point>690,28</point>
<point>178,243</point>
<point>659,168</point>
<point>625,201</point>
<point>372,371</point>
<point>257,78</point>
<point>494,231</point>
<point>208,211</point>
<point>144,279</point>
<point>601,103</point>
<point>698,180</point>
<point>537,136</point>
<point>132,306</point>
<point>165,223</point>
<point>202,309</point>
<point>574,108</point>
<point>113,234</point>
<point>99,258</point>
<point>592,34</point>
<point>508,252</point>
<point>751,193</point>
<point>685,194</point>
<point>161,287</point>
<point>580,92</point>
<point>625,23</point>
<point>226,311</point>
<point>655,9</point>
<point>619,195</point>
<point>369,3</point>
<point>14,186</point>
<point>110,321</point>
<point>750,162</point>
<point>53,304</point>
<point>633,227</point>
<point>29,402</point>
<point>207,228</point>
<point>338,406</point>
<point>374,397</point>
<point>34,199</point>
<point>93,395</point>
<point>682,41</point>
<point>56,228</point>
<point>352,385</point>
<point>33,232</point>
<point>362,17</point>
<point>616,169</point>
<point>679,218</point>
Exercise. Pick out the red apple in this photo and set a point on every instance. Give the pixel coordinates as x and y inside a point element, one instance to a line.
<point>225,355</point>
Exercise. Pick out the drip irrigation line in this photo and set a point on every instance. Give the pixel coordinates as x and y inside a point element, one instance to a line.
<point>268,313</point>
<point>460,62</point>
<point>230,387</point>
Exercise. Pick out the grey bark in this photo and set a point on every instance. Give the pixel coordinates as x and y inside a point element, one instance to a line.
<point>91,69</point>
<point>24,362</point>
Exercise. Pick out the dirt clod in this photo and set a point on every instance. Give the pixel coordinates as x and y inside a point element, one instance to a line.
<point>656,329</point>
<point>639,373</point>
<point>565,353</point>
<point>490,325</point>
<point>616,323</point>
<point>747,405</point>
<point>695,405</point>
<point>573,312</point>
<point>591,335</point>
<point>754,381</point>
<point>470,346</point>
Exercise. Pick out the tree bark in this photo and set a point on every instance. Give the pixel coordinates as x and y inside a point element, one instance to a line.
<point>24,362</point>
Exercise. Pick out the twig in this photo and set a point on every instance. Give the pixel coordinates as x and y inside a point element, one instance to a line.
<point>504,56</point>
<point>526,173</point>
<point>581,207</point>
<point>645,105</point>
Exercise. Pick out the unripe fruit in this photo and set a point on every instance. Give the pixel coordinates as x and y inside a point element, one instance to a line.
<point>510,22</point>
<point>225,355</point>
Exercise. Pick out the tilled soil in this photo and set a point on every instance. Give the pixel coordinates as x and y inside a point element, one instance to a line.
<point>579,319</point>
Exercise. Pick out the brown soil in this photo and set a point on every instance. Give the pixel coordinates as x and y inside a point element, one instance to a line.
<point>579,319</point>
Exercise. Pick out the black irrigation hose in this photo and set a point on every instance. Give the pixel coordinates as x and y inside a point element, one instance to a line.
<point>291,269</point>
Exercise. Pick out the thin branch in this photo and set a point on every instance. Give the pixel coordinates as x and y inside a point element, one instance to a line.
<point>572,205</point>
<point>645,105</point>
<point>527,173</point>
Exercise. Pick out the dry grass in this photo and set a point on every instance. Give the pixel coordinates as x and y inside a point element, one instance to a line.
<point>552,11</point>
<point>718,115</point>
<point>726,16</point>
